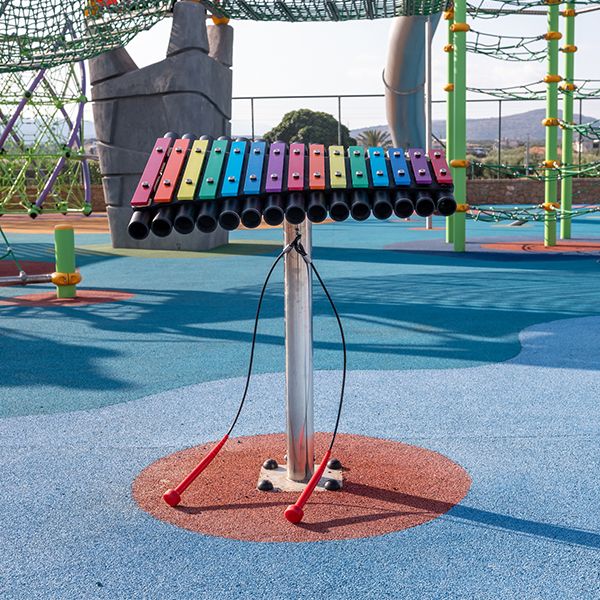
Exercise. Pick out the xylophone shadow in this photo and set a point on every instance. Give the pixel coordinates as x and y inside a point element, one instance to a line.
<point>230,213</point>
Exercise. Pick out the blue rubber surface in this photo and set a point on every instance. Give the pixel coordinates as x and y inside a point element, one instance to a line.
<point>489,358</point>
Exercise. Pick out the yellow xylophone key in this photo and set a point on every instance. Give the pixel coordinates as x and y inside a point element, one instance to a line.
<point>337,167</point>
<point>193,169</point>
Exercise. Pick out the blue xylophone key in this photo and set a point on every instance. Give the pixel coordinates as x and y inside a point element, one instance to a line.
<point>254,169</point>
<point>379,174</point>
<point>233,171</point>
<point>399,166</point>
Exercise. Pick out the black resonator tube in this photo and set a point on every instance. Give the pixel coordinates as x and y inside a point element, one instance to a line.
<point>206,221</point>
<point>185,219</point>
<point>139,224</point>
<point>162,224</point>
<point>338,207</point>
<point>446,204</point>
<point>424,205</point>
<point>360,207</point>
<point>229,219</point>
<point>403,206</point>
<point>316,211</point>
<point>273,212</point>
<point>251,213</point>
<point>382,207</point>
<point>295,212</point>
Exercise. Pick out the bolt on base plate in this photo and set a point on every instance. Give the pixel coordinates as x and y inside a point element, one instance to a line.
<point>278,477</point>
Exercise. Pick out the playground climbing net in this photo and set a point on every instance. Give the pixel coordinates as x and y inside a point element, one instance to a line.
<point>44,33</point>
<point>536,173</point>
<point>492,9</point>
<point>539,213</point>
<point>318,10</point>
<point>589,130</point>
<point>507,47</point>
<point>42,159</point>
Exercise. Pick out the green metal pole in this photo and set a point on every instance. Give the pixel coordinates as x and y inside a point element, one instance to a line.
<point>449,48</point>
<point>568,87</point>
<point>64,244</point>
<point>551,122</point>
<point>459,144</point>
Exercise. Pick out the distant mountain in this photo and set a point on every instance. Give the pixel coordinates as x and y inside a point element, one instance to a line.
<point>514,127</point>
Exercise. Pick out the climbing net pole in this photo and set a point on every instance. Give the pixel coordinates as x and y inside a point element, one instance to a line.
<point>568,89</point>
<point>551,122</point>
<point>459,145</point>
<point>449,89</point>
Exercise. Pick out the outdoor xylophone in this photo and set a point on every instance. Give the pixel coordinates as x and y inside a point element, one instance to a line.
<point>191,182</point>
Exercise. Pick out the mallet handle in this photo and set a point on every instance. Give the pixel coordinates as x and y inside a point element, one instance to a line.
<point>312,484</point>
<point>201,466</point>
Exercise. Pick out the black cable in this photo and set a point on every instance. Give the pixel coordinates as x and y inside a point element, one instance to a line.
<point>297,246</point>
<point>311,266</point>
<point>253,347</point>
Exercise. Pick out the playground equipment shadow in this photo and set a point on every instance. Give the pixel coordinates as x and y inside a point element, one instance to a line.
<point>402,310</point>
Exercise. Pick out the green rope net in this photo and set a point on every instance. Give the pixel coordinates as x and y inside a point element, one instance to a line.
<point>480,169</point>
<point>324,10</point>
<point>38,140</point>
<point>528,91</point>
<point>589,130</point>
<point>587,88</point>
<point>492,9</point>
<point>536,90</point>
<point>527,214</point>
<point>506,47</point>
<point>43,33</point>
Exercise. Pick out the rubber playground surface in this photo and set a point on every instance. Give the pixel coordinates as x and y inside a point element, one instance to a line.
<point>480,372</point>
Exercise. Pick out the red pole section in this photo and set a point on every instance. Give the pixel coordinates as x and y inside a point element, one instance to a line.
<point>173,496</point>
<point>294,513</point>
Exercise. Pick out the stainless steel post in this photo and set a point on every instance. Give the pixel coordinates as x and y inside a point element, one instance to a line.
<point>298,356</point>
<point>428,99</point>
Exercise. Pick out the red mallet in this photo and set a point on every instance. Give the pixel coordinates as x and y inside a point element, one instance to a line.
<point>173,496</point>
<point>294,513</point>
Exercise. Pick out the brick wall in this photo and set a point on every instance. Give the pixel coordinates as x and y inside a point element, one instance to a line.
<point>98,204</point>
<point>527,191</point>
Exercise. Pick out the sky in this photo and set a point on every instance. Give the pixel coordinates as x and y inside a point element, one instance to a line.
<point>287,59</point>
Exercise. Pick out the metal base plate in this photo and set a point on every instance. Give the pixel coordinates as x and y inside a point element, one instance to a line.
<point>281,483</point>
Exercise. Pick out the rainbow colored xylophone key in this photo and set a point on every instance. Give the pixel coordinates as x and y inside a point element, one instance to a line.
<point>200,183</point>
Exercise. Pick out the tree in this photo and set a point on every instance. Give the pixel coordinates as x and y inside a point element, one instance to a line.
<point>310,127</point>
<point>374,137</point>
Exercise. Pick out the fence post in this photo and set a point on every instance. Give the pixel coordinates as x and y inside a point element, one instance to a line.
<point>339,121</point>
<point>499,136</point>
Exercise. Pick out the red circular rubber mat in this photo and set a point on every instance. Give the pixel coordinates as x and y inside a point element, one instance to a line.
<point>84,297</point>
<point>578,246</point>
<point>388,486</point>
